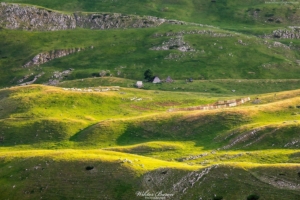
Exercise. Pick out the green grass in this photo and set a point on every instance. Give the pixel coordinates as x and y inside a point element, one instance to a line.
<point>53,118</point>
<point>48,167</point>
<point>131,47</point>
<point>215,58</point>
<point>53,174</point>
<point>51,137</point>
<point>221,87</point>
<point>48,131</point>
<point>61,114</point>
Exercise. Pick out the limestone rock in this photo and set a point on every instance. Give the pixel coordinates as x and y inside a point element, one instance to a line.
<point>34,79</point>
<point>115,20</point>
<point>291,33</point>
<point>44,57</point>
<point>174,43</point>
<point>58,76</point>
<point>15,16</point>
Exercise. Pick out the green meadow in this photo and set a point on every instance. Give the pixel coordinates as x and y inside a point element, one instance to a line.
<point>95,135</point>
<point>47,131</point>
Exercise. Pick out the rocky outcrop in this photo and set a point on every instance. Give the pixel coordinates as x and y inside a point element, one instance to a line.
<point>171,182</point>
<point>248,135</point>
<point>44,57</point>
<point>115,20</point>
<point>279,44</point>
<point>292,33</point>
<point>58,76</point>
<point>15,16</point>
<point>174,43</point>
<point>34,79</point>
<point>189,180</point>
<point>32,18</point>
<point>287,34</point>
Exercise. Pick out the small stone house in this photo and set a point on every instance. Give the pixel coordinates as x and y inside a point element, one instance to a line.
<point>156,80</point>
<point>139,84</point>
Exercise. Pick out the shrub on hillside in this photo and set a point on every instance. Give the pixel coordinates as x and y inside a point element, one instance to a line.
<point>148,74</point>
<point>253,197</point>
<point>218,198</point>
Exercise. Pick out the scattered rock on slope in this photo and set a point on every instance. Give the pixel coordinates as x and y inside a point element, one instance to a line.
<point>174,43</point>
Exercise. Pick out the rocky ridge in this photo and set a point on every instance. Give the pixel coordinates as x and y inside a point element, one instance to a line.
<point>115,20</point>
<point>31,18</point>
<point>44,57</point>
<point>14,16</point>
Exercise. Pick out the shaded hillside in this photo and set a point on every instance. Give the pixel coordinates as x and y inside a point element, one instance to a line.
<point>89,174</point>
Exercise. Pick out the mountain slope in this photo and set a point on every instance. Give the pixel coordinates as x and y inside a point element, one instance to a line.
<point>87,133</point>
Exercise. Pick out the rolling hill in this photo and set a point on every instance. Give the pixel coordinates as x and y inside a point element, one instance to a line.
<point>74,126</point>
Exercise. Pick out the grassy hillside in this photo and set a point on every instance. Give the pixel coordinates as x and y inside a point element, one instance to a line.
<point>95,136</point>
<point>126,53</point>
<point>47,130</point>
<point>168,143</point>
<point>50,113</point>
<point>50,175</point>
<point>214,58</point>
<point>221,87</point>
<point>60,114</point>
